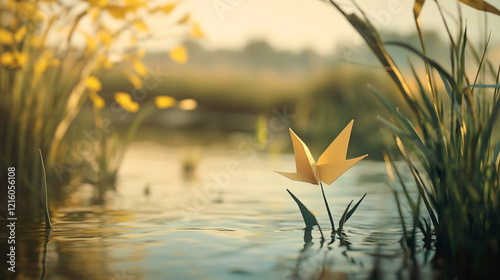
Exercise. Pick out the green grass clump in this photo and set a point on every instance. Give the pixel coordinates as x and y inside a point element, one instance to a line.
<point>50,55</point>
<point>449,142</point>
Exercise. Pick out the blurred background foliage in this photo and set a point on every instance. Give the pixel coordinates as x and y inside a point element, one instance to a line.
<point>63,64</point>
<point>51,55</point>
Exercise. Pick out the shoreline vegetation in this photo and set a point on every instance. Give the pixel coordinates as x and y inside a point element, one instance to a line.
<point>448,142</point>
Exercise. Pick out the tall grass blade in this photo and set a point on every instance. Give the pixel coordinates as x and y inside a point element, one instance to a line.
<point>496,152</point>
<point>45,204</point>
<point>482,86</point>
<point>481,5</point>
<point>372,38</point>
<point>418,180</point>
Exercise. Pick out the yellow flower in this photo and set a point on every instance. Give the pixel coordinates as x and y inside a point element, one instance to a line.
<point>9,38</point>
<point>126,102</point>
<point>331,164</point>
<point>164,101</point>
<point>105,37</point>
<point>13,59</point>
<point>184,19</point>
<point>93,83</point>
<point>164,9</point>
<point>20,33</point>
<point>97,100</point>
<point>187,104</point>
<point>179,54</point>
<point>117,12</point>
<point>6,37</point>
<point>140,25</point>
<point>196,31</point>
<point>97,3</point>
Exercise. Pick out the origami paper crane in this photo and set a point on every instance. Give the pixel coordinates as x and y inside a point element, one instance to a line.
<point>331,164</point>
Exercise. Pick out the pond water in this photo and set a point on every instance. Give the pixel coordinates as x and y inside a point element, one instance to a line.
<point>233,220</point>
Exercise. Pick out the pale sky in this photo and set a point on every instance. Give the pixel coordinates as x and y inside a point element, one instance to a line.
<point>297,24</point>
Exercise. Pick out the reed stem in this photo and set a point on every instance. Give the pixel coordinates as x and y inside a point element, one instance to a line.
<point>327,208</point>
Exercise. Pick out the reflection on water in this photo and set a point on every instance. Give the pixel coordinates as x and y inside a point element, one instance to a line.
<point>235,221</point>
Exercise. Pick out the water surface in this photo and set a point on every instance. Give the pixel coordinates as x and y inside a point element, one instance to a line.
<point>233,219</point>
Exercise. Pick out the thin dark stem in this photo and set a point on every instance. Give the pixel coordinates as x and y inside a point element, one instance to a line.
<point>327,207</point>
<point>322,236</point>
<point>47,234</point>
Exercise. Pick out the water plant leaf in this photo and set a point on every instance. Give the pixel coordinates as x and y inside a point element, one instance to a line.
<point>309,218</point>
<point>45,203</point>
<point>349,214</point>
<point>343,219</point>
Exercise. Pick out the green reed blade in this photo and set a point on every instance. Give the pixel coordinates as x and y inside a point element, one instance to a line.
<point>308,216</point>
<point>45,203</point>
<point>349,214</point>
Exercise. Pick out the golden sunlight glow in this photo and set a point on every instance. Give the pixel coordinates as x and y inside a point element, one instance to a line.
<point>187,104</point>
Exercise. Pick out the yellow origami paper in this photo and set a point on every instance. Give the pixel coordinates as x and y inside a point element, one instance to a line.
<point>331,164</point>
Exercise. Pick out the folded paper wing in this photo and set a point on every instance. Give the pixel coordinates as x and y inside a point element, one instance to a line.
<point>306,165</point>
<point>331,164</point>
<point>331,171</point>
<point>337,151</point>
<point>302,177</point>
